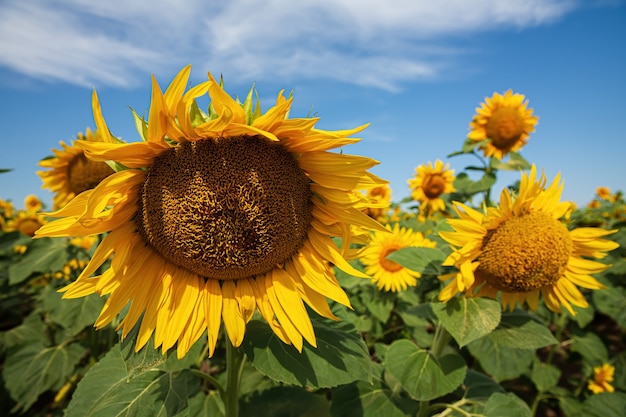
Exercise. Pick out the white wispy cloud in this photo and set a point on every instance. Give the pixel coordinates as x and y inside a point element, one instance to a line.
<point>365,42</point>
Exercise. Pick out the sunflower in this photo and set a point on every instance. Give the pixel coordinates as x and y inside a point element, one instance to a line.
<point>387,274</point>
<point>602,377</point>
<point>429,184</point>
<point>380,198</point>
<point>505,121</point>
<point>218,215</point>
<point>521,249</point>
<point>70,172</point>
<point>32,203</point>
<point>25,222</point>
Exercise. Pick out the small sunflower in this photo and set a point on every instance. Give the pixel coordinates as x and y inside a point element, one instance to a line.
<point>25,222</point>
<point>218,215</point>
<point>604,193</point>
<point>70,173</point>
<point>387,274</point>
<point>602,377</point>
<point>429,184</point>
<point>380,197</point>
<point>32,203</point>
<point>505,121</point>
<point>521,249</point>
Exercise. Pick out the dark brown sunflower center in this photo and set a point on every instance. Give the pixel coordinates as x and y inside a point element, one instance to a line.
<point>505,127</point>
<point>525,253</point>
<point>434,185</point>
<point>226,208</point>
<point>84,174</point>
<point>388,264</point>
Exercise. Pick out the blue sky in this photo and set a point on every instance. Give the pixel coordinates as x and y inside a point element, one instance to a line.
<point>414,69</point>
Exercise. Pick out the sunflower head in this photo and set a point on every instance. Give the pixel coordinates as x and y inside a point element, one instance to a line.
<point>69,172</point>
<point>26,222</point>
<point>505,121</point>
<point>387,274</point>
<point>521,249</point>
<point>602,377</point>
<point>32,203</point>
<point>380,198</point>
<point>215,215</point>
<point>429,184</point>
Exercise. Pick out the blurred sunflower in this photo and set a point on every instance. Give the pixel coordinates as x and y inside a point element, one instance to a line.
<point>429,184</point>
<point>380,197</point>
<point>387,274</point>
<point>505,121</point>
<point>32,203</point>
<point>219,215</point>
<point>25,222</point>
<point>70,172</point>
<point>602,377</point>
<point>521,249</point>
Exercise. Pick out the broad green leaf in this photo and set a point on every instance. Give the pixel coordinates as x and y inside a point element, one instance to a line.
<point>72,314</point>
<point>612,302</point>
<point>479,386</point>
<point>376,399</point>
<point>285,402</point>
<point>604,405</point>
<point>620,371</point>
<point>340,357</point>
<point>31,370</point>
<point>31,331</point>
<point>206,404</point>
<point>516,162</point>
<point>43,255</point>
<point>544,375</point>
<point>583,316</point>
<point>521,330</point>
<point>500,361</point>
<point>467,319</point>
<point>124,384</point>
<point>485,183</point>
<point>422,375</point>
<point>424,260</point>
<point>506,405</point>
<point>590,347</point>
<point>379,304</point>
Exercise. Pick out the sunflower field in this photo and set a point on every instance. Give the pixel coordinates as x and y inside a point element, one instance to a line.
<point>234,261</point>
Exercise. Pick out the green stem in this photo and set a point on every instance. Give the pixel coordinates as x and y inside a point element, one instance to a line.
<point>235,360</point>
<point>440,341</point>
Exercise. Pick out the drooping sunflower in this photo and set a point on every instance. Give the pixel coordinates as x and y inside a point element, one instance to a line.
<point>387,274</point>
<point>429,184</point>
<point>217,215</point>
<point>69,172</point>
<point>506,121</point>
<point>521,249</point>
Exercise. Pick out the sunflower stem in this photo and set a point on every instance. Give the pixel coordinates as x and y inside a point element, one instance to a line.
<point>235,360</point>
<point>440,340</point>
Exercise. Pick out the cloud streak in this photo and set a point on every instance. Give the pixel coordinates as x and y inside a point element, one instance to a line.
<point>354,41</point>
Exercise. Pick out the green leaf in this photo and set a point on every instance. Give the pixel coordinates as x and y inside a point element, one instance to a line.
<point>501,362</point>
<point>521,330</point>
<point>206,404</point>
<point>485,183</point>
<point>544,375</point>
<point>479,386</point>
<point>423,260</point>
<point>379,304</point>
<point>31,331</point>
<point>590,347</point>
<point>32,370</point>
<point>506,405</point>
<point>516,162</point>
<point>285,402</point>
<point>468,319</point>
<point>423,376</point>
<point>605,405</point>
<point>376,399</point>
<point>124,384</point>
<point>43,255</point>
<point>612,302</point>
<point>340,357</point>
<point>620,371</point>
<point>72,314</point>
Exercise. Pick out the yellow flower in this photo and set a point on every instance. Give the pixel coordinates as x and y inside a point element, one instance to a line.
<point>429,184</point>
<point>602,376</point>
<point>26,223</point>
<point>604,193</point>
<point>85,242</point>
<point>387,274</point>
<point>380,198</point>
<point>219,215</point>
<point>6,208</point>
<point>32,203</point>
<point>505,121</point>
<point>521,249</point>
<point>70,173</point>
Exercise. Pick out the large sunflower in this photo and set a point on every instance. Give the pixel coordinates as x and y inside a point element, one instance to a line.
<point>69,172</point>
<point>387,274</point>
<point>429,184</point>
<point>219,215</point>
<point>521,249</point>
<point>505,121</point>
